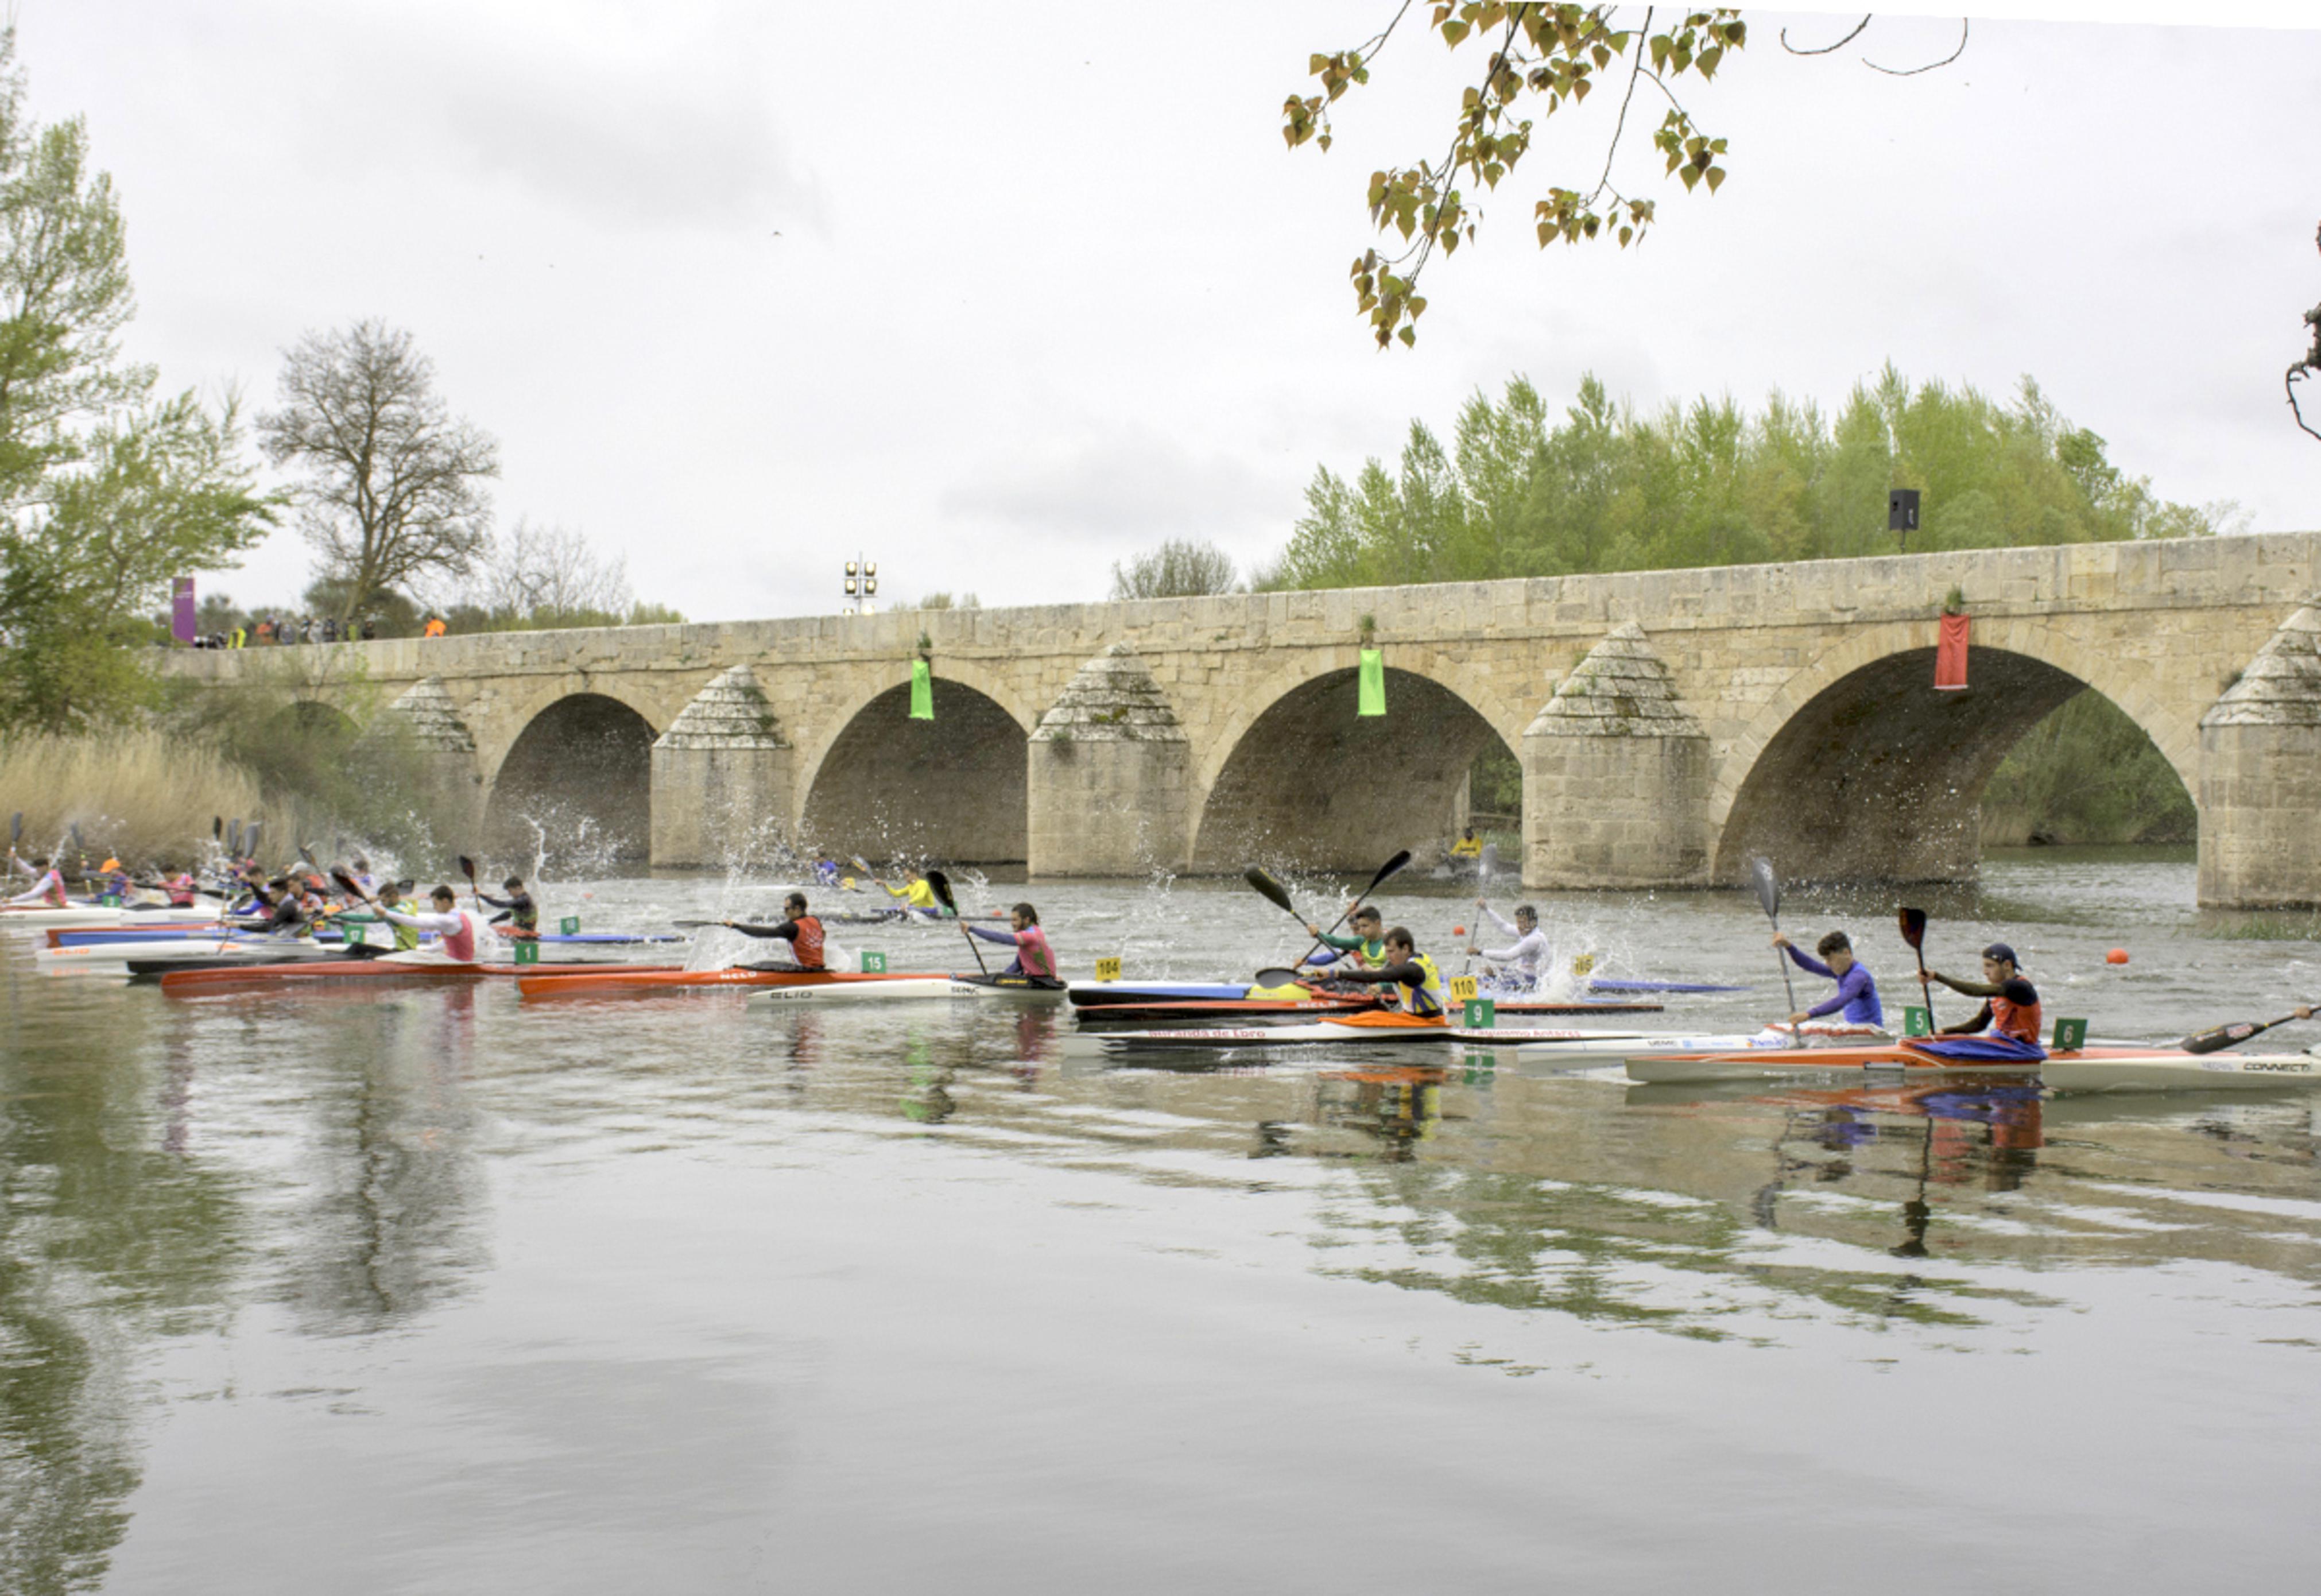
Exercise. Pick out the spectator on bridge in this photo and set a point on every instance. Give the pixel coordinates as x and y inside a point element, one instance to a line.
<point>434,627</point>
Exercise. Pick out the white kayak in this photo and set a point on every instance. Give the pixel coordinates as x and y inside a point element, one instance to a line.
<point>113,958</point>
<point>1193,1039</point>
<point>2094,1067</point>
<point>96,913</point>
<point>1619,1047</point>
<point>903,989</point>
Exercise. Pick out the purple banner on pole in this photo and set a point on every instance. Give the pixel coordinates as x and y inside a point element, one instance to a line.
<point>181,609</point>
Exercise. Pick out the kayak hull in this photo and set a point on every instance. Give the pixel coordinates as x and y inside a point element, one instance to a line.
<point>640,982</point>
<point>1370,1031</point>
<point>2089,1069</point>
<point>380,971</point>
<point>909,990</point>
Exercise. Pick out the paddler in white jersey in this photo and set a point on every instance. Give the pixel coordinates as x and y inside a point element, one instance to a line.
<point>1528,959</point>
<point>454,927</point>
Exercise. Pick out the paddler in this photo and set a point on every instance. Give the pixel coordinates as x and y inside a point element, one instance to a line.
<point>1529,958</point>
<point>1468,846</point>
<point>48,883</point>
<point>1364,950</point>
<point>2010,1003</point>
<point>1033,956</point>
<point>1857,988</point>
<point>455,930</point>
<point>517,908</point>
<point>919,894</point>
<point>801,930</point>
<point>1410,974</point>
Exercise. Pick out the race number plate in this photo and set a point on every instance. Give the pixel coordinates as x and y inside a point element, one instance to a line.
<point>873,963</point>
<point>1108,970</point>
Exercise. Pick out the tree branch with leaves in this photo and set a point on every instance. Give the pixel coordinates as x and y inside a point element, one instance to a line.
<point>1546,58</point>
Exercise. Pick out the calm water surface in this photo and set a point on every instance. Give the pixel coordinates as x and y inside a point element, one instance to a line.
<point>444,1290</point>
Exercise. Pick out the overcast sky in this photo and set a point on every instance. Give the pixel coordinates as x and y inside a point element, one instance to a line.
<point>1001,295</point>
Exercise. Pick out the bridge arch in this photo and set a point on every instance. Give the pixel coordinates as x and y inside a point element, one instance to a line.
<point>1859,769</point>
<point>1301,778</point>
<point>575,788</point>
<point>950,789</point>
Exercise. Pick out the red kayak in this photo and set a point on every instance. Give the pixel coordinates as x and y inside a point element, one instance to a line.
<point>366,971</point>
<point>643,980</point>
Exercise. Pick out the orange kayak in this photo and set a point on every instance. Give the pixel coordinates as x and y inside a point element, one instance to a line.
<point>601,982</point>
<point>366,971</point>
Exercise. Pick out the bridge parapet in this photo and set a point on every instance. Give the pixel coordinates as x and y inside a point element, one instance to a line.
<point>1803,679</point>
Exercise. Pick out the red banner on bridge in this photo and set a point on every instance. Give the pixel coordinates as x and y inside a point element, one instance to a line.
<point>1949,655</point>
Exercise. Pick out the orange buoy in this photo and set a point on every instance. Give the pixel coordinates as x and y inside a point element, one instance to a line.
<point>1458,931</point>
<point>2117,956</point>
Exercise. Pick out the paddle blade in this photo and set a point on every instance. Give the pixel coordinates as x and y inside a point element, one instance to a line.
<point>347,883</point>
<point>1390,867</point>
<point>1267,887</point>
<point>233,836</point>
<point>860,863</point>
<point>1767,886</point>
<point>217,828</point>
<point>939,884</point>
<point>467,869</point>
<point>1914,927</point>
<point>249,838</point>
<point>16,828</point>
<point>1274,975</point>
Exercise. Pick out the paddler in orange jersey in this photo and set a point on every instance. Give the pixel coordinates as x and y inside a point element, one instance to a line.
<point>801,930</point>
<point>2010,1003</point>
<point>1408,973</point>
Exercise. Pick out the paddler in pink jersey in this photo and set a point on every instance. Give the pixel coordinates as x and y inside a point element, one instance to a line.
<point>47,886</point>
<point>1033,956</point>
<point>454,928</point>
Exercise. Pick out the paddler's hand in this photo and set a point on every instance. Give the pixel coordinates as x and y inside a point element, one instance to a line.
<point>1474,953</point>
<point>1800,1017</point>
<point>1480,903</point>
<point>2305,1011</point>
<point>1780,941</point>
<point>1314,931</point>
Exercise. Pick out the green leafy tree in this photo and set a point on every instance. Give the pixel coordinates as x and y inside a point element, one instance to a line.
<point>391,486</point>
<point>107,491</point>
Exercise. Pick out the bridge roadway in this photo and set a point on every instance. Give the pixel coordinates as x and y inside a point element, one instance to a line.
<point>1668,723</point>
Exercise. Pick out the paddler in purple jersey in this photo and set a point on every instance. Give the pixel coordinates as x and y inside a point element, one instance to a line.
<point>1857,988</point>
<point>1033,956</point>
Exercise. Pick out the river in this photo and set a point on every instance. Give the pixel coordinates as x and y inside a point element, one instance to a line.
<point>445,1291</point>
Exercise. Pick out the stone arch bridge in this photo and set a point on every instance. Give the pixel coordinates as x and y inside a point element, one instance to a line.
<point>1668,723</point>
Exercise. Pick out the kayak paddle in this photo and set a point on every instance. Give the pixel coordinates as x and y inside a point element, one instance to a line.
<point>1913,932</point>
<point>1386,870</point>
<point>1769,895</point>
<point>16,829</point>
<point>940,883</point>
<point>233,838</point>
<point>217,828</point>
<point>2225,1037</point>
<point>467,869</point>
<point>249,840</point>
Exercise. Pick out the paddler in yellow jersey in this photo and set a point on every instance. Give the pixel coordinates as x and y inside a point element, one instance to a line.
<point>918,895</point>
<point>1409,974</point>
<point>1468,846</point>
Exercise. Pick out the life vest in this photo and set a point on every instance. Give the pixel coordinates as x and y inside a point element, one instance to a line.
<point>406,937</point>
<point>460,946</point>
<point>808,944</point>
<point>1467,848</point>
<point>919,894</point>
<point>180,889</point>
<point>2018,1020</point>
<point>1428,1001</point>
<point>1033,953</point>
<point>51,888</point>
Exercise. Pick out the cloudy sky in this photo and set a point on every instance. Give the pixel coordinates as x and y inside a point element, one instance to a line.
<point>1001,295</point>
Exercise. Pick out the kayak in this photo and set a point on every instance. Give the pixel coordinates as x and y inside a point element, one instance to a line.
<point>380,971</point>
<point>641,980</point>
<point>905,989</point>
<point>86,914</point>
<point>1584,1053</point>
<point>1036,988</point>
<point>1099,994</point>
<point>1368,1029</point>
<point>113,958</point>
<point>2110,1068</point>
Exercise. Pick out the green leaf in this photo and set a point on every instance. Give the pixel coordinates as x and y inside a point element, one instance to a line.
<point>1716,179</point>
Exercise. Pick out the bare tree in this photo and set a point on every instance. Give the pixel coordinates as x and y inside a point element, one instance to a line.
<point>545,574</point>
<point>1177,568</point>
<point>2307,367</point>
<point>392,484</point>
